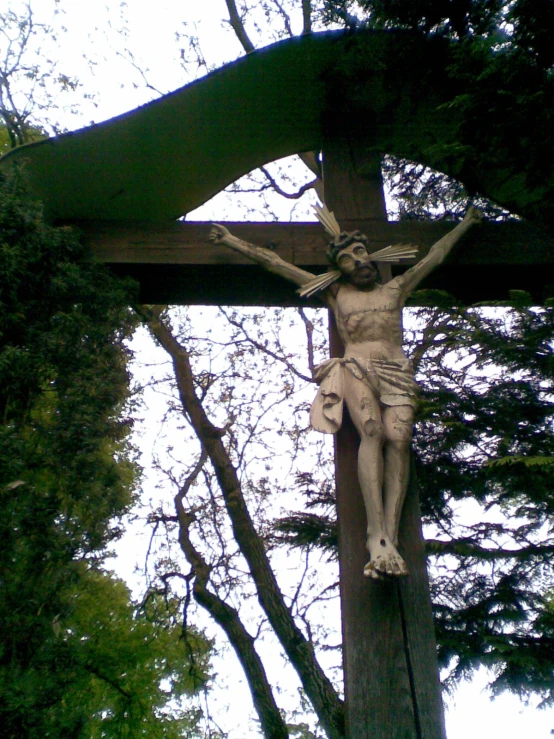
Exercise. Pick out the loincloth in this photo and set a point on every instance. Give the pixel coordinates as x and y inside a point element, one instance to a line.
<point>391,382</point>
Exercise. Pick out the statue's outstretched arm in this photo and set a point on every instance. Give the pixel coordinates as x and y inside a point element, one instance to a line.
<point>437,254</point>
<point>264,257</point>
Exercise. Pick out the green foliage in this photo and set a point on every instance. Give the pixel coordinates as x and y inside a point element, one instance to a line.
<point>73,654</point>
<point>107,669</point>
<point>130,668</point>
<point>493,62</point>
<point>485,421</point>
<point>64,381</point>
<point>5,143</point>
<point>316,525</point>
<point>32,133</point>
<point>29,75</point>
<point>485,433</point>
<point>447,17</point>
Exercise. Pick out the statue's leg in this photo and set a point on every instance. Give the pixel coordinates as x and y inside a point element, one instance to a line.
<point>365,412</point>
<point>398,423</point>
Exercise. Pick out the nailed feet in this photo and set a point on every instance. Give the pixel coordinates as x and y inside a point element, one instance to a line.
<point>384,559</point>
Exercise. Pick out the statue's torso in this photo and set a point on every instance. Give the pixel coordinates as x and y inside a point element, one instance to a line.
<point>370,322</point>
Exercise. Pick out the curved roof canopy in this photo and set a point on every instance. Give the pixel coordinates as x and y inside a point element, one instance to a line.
<point>166,158</point>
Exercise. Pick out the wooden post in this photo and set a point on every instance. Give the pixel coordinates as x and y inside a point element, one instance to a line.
<point>392,688</point>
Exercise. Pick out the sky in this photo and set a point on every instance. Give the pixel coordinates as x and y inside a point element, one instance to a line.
<point>124,54</point>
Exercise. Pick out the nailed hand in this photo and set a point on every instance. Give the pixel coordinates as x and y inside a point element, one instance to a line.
<point>218,233</point>
<point>473,215</point>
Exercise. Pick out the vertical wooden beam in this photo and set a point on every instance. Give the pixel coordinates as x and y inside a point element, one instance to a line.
<point>392,688</point>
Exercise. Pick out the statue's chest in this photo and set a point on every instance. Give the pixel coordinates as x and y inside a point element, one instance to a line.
<point>379,300</point>
<point>366,316</point>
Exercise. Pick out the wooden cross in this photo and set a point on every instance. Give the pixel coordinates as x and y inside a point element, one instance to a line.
<point>391,676</point>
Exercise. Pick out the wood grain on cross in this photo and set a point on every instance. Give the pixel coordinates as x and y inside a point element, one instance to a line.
<point>390,667</point>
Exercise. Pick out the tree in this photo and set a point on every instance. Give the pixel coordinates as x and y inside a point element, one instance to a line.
<point>133,669</point>
<point>498,71</point>
<point>30,78</point>
<point>485,432</point>
<point>76,657</point>
<point>217,533</point>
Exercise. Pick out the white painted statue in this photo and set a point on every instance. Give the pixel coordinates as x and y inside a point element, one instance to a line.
<point>374,377</point>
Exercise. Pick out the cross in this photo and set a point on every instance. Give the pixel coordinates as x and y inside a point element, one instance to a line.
<point>388,633</point>
<point>391,677</point>
<point>389,650</point>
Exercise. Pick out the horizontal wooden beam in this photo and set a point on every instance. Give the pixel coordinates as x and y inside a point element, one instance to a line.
<point>176,262</point>
<point>184,242</point>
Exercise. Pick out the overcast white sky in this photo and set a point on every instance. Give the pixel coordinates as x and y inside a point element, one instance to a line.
<point>91,49</point>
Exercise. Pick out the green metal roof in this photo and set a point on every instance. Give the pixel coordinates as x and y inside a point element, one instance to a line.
<point>168,157</point>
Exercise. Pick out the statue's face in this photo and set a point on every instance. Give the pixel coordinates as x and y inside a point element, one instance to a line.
<point>355,263</point>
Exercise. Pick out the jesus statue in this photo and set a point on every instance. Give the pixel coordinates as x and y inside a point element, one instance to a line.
<point>374,377</point>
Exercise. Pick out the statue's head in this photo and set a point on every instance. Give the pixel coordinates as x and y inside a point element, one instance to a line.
<point>348,252</point>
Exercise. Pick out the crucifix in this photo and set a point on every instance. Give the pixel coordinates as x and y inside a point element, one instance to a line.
<point>374,377</point>
<point>391,678</point>
<point>392,687</point>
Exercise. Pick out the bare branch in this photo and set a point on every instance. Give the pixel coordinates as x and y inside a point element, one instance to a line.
<point>189,482</point>
<point>128,56</point>
<point>278,357</point>
<point>309,326</point>
<point>285,16</point>
<point>311,161</point>
<point>238,27</point>
<point>318,688</point>
<point>298,590</point>
<point>290,195</point>
<point>227,617</point>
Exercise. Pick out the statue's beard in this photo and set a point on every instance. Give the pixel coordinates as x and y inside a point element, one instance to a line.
<point>363,276</point>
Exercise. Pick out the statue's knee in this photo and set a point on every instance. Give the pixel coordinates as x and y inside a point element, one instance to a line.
<point>399,431</point>
<point>400,437</point>
<point>374,429</point>
<point>402,446</point>
<point>370,420</point>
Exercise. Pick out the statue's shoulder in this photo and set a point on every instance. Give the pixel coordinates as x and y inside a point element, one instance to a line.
<point>389,296</point>
<point>394,289</point>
